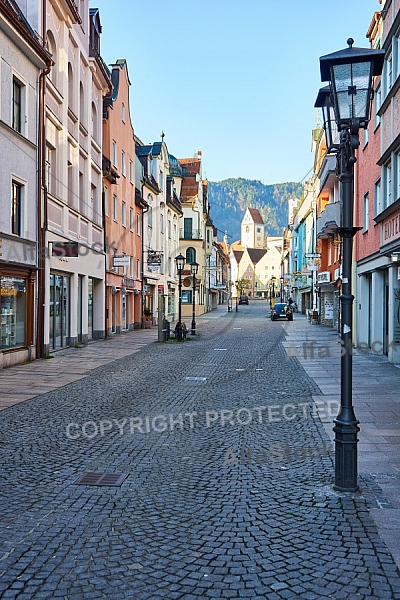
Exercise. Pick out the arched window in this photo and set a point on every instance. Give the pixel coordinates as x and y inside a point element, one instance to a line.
<point>52,48</point>
<point>81,104</point>
<point>70,87</point>
<point>94,121</point>
<point>190,255</point>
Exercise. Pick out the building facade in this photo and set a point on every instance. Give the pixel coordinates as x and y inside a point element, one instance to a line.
<point>23,66</point>
<point>123,209</point>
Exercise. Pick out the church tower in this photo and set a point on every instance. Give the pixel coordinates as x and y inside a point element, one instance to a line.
<point>252,229</point>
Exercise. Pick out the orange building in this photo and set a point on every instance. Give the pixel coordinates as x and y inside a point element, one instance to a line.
<point>123,208</point>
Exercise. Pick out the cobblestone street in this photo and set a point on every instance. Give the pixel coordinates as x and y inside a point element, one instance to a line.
<point>229,492</point>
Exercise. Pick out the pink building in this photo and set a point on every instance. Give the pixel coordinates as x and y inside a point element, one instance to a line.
<point>123,208</point>
<point>377,211</point>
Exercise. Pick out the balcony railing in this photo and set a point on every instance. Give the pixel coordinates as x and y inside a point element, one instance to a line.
<point>329,220</point>
<point>194,234</point>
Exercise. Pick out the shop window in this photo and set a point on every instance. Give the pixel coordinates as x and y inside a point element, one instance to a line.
<point>13,311</point>
<point>186,297</point>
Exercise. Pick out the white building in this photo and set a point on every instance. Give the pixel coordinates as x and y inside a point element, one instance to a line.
<point>22,68</point>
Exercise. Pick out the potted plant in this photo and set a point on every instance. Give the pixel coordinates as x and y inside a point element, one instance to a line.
<point>147,321</point>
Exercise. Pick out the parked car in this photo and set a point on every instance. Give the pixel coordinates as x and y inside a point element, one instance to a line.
<point>243,300</point>
<point>281,310</point>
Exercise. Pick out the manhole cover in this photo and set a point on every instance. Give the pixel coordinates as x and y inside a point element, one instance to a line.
<point>90,478</point>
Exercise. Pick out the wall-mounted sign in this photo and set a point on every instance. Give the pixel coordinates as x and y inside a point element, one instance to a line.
<point>61,249</point>
<point>324,277</point>
<point>390,228</point>
<point>121,261</point>
<point>154,258</point>
<point>160,289</point>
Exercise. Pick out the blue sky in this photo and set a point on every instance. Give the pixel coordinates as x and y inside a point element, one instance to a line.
<point>236,79</point>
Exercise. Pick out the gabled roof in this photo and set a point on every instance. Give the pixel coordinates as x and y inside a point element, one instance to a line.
<point>238,255</point>
<point>256,254</point>
<point>256,216</point>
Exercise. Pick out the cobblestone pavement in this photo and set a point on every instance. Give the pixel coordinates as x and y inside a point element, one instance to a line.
<point>243,509</point>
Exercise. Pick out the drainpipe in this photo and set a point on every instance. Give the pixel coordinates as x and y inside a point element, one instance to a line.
<point>42,204</point>
<point>144,211</point>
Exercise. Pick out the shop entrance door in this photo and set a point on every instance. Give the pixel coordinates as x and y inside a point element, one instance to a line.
<point>59,311</point>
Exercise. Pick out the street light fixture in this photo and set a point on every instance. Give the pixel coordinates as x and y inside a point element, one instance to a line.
<point>180,263</point>
<point>194,267</point>
<point>282,280</point>
<point>349,72</point>
<point>273,279</point>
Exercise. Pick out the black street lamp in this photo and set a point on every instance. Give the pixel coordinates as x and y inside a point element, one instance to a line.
<point>349,72</point>
<point>194,267</point>
<point>180,263</point>
<point>273,279</point>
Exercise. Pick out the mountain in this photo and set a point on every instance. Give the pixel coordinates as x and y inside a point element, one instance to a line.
<point>230,198</point>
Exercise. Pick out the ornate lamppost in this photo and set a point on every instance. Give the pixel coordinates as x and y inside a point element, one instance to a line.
<point>194,267</point>
<point>346,102</point>
<point>180,263</point>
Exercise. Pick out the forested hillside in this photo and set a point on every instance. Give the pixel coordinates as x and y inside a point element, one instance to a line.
<point>230,198</point>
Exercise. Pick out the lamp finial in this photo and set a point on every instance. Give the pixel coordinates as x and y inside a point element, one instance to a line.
<point>350,42</point>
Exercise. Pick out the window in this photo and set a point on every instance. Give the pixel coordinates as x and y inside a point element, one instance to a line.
<point>138,273</point>
<point>186,297</point>
<point>105,198</point>
<point>70,87</point>
<point>175,228</point>
<point>16,208</point>
<point>138,224</point>
<point>131,218</point>
<point>150,216</point>
<point>13,311</point>
<point>123,163</point>
<point>52,48</point>
<point>18,93</point>
<point>387,184</point>
<point>131,173</point>
<point>70,183</point>
<point>161,223</point>
<point>389,73</point>
<point>114,153</point>
<point>377,104</point>
<point>397,181</point>
<point>169,228</point>
<point>94,121</point>
<point>365,137</point>
<point>115,208</point>
<point>190,255</point>
<point>187,228</point>
<point>51,179</point>
<point>82,116</point>
<point>377,198</point>
<point>131,273</point>
<point>160,180</point>
<point>123,112</point>
<point>123,215</point>
<point>366,212</point>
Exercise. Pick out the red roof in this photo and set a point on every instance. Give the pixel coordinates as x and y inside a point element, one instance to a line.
<point>255,215</point>
<point>256,254</point>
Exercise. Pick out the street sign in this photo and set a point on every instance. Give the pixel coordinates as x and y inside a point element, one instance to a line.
<point>313,255</point>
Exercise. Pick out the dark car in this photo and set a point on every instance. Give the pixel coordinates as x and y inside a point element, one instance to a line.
<point>243,300</point>
<point>282,310</point>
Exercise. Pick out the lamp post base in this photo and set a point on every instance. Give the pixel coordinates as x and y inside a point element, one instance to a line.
<point>179,334</point>
<point>346,456</point>
<point>193,326</point>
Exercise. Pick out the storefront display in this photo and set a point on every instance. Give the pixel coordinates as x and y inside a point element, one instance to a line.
<point>13,312</point>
